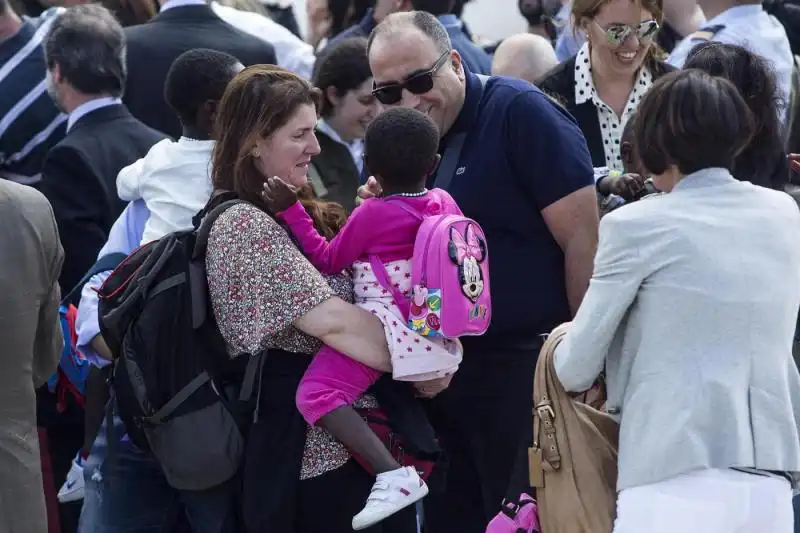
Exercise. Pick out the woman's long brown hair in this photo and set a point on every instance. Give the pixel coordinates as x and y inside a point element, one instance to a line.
<point>258,101</point>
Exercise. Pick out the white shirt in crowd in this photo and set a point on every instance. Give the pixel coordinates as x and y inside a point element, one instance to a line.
<point>174,181</point>
<point>87,107</point>
<point>292,53</point>
<point>611,125</point>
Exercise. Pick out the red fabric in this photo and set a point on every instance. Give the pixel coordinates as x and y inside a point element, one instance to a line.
<point>49,485</point>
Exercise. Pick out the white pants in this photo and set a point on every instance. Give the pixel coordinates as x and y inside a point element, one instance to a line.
<point>707,501</point>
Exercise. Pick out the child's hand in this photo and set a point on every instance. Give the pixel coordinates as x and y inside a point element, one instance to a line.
<point>628,186</point>
<point>278,195</point>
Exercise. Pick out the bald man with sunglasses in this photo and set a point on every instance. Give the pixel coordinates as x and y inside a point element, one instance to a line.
<point>518,164</point>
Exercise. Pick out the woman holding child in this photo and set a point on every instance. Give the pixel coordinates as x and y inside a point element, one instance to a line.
<point>266,295</point>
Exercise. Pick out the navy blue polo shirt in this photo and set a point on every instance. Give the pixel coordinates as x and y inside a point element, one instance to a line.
<point>522,152</point>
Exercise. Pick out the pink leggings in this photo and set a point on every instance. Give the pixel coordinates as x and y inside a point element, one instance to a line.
<point>331,381</point>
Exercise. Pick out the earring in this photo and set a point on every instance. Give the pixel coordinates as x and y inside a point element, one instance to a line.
<point>256,154</point>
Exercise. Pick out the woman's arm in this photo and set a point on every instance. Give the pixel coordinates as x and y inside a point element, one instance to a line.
<point>261,285</point>
<point>349,330</point>
<point>330,257</point>
<point>619,270</point>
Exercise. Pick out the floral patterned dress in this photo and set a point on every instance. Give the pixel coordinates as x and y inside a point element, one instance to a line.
<point>260,283</point>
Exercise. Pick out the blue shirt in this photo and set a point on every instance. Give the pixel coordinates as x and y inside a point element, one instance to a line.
<point>124,236</point>
<point>362,29</point>
<point>569,41</point>
<point>753,28</point>
<point>522,153</point>
<point>475,57</point>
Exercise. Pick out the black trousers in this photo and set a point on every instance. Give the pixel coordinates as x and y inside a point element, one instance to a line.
<point>482,420</point>
<point>65,437</point>
<point>274,500</point>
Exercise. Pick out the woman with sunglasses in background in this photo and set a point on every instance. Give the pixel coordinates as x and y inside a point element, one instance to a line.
<point>602,85</point>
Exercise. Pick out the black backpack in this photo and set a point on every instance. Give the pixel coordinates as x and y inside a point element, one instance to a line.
<point>177,391</point>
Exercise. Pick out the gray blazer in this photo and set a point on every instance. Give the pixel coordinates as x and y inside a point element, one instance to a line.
<point>692,310</point>
<point>30,333</point>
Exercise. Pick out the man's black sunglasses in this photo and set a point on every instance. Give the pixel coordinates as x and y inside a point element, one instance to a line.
<point>419,83</point>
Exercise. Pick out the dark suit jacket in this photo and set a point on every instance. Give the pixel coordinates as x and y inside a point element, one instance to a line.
<point>560,84</point>
<point>79,178</point>
<point>338,172</point>
<point>152,47</point>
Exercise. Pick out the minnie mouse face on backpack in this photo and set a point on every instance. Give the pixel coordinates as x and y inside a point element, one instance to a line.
<point>468,251</point>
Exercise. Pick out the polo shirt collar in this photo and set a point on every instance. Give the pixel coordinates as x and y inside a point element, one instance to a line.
<point>472,104</point>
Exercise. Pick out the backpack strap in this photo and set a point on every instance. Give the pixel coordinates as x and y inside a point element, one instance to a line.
<point>207,220</point>
<point>400,299</point>
<point>397,200</point>
<point>162,414</point>
<point>104,263</point>
<point>452,153</point>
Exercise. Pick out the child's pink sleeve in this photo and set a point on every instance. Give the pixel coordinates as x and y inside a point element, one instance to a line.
<point>329,257</point>
<point>449,205</point>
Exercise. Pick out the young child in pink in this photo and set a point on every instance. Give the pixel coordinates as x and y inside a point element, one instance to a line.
<point>400,152</point>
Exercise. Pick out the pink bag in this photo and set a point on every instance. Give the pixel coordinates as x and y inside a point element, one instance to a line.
<point>516,517</point>
<point>449,278</point>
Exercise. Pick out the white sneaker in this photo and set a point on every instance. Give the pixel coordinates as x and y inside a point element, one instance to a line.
<point>391,492</point>
<point>73,489</point>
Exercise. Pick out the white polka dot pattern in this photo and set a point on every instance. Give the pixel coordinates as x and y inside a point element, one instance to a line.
<point>611,125</point>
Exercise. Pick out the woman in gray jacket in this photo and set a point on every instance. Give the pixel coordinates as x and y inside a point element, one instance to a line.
<point>692,310</point>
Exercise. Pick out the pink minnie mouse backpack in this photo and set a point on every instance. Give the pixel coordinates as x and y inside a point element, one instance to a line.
<point>450,278</point>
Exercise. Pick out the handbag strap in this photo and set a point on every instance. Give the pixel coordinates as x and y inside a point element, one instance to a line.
<point>400,299</point>
<point>452,153</point>
<point>544,412</point>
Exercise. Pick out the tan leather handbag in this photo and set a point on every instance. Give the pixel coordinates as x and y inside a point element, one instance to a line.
<point>573,461</point>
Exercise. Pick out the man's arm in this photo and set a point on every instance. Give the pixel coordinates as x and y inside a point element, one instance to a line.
<point>78,201</point>
<point>554,166</point>
<point>573,222</point>
<point>49,341</point>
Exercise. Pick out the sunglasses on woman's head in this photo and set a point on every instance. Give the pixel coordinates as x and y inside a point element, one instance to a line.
<point>616,34</point>
<point>418,83</point>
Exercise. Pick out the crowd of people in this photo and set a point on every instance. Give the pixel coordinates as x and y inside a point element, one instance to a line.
<point>625,167</point>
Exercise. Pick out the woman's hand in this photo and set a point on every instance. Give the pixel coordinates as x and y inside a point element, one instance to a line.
<point>432,387</point>
<point>371,189</point>
<point>278,195</point>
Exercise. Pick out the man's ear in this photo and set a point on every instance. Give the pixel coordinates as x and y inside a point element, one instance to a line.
<point>56,73</point>
<point>457,63</point>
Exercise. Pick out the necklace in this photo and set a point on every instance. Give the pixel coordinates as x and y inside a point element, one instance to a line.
<point>423,192</point>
